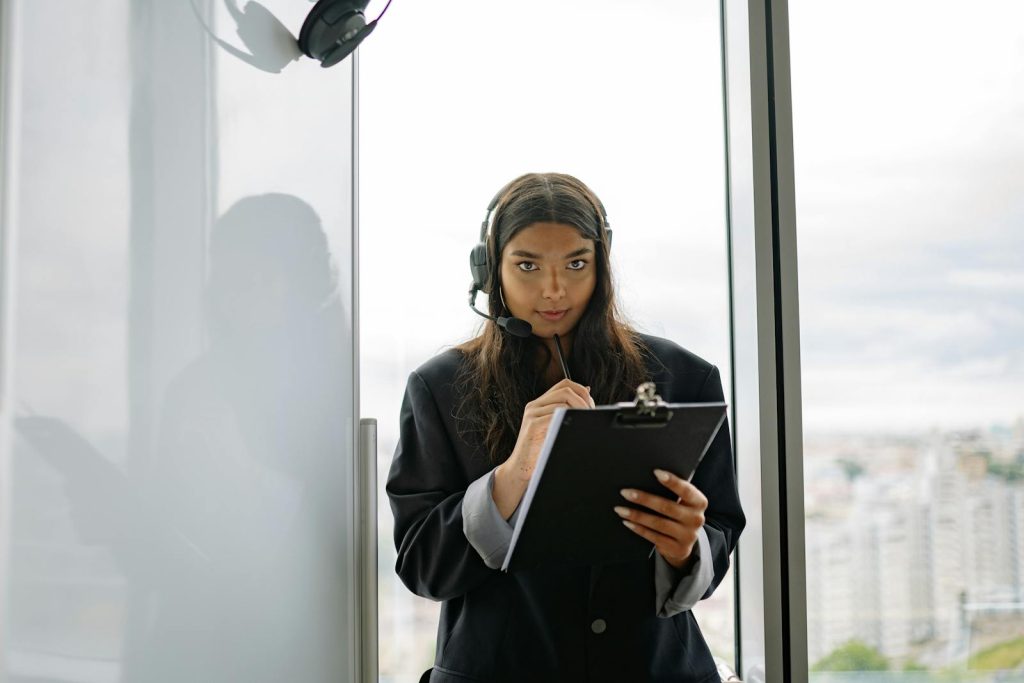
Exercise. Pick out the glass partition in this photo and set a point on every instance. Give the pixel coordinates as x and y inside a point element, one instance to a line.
<point>909,200</point>
<point>627,99</point>
<point>178,357</point>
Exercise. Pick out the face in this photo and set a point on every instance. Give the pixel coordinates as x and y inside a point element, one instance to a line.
<point>548,273</point>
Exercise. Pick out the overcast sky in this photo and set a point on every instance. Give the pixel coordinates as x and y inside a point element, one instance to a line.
<point>910,212</point>
<point>909,193</point>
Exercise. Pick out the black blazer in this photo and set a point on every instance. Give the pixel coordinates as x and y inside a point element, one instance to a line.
<point>539,625</point>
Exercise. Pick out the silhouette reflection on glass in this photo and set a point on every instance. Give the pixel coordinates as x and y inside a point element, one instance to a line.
<point>271,45</point>
<point>233,543</point>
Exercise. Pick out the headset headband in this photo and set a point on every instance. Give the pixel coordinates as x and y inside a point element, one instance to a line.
<point>591,197</point>
<point>481,260</point>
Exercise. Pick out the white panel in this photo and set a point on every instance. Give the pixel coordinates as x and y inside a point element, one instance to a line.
<point>177,413</point>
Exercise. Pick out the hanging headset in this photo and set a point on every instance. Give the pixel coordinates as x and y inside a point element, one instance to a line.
<point>481,265</point>
<point>334,28</point>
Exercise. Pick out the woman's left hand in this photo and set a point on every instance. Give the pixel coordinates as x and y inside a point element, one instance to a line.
<point>674,527</point>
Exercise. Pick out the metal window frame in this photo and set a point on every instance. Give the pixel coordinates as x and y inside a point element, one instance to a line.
<point>364,446</point>
<point>761,223</point>
<point>8,155</point>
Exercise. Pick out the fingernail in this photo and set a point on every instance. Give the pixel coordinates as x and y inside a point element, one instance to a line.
<point>662,475</point>
<point>628,493</point>
<point>621,511</point>
<point>629,525</point>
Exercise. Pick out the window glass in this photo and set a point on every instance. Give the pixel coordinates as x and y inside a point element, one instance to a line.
<point>176,417</point>
<point>909,200</point>
<point>452,106</point>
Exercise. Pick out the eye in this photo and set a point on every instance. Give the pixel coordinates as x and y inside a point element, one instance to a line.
<point>527,266</point>
<point>577,264</point>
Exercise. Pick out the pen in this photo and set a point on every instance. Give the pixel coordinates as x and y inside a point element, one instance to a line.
<point>561,358</point>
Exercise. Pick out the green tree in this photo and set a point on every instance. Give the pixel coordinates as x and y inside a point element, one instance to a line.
<point>851,469</point>
<point>1010,471</point>
<point>1006,655</point>
<point>853,656</point>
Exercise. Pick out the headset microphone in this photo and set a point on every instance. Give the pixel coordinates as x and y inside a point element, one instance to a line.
<point>514,326</point>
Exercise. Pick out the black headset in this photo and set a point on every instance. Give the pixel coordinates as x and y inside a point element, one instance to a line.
<point>481,265</point>
<point>334,28</point>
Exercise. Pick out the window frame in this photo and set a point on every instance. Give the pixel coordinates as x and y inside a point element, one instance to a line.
<point>771,638</point>
<point>8,143</point>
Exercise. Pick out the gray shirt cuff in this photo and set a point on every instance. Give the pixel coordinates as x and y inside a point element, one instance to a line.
<point>485,528</point>
<point>677,592</point>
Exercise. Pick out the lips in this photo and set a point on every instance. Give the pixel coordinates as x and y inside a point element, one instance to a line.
<point>553,315</point>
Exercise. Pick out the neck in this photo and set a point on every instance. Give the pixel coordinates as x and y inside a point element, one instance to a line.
<point>553,372</point>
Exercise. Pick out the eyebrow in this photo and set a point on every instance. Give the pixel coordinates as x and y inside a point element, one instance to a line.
<point>530,254</point>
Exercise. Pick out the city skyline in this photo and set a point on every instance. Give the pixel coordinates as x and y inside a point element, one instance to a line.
<point>915,547</point>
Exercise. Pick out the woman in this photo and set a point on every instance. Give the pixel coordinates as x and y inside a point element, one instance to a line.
<point>472,424</point>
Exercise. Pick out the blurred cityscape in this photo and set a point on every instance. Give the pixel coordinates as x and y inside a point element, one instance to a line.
<point>915,549</point>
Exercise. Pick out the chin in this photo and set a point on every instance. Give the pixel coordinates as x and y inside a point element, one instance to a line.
<point>548,329</point>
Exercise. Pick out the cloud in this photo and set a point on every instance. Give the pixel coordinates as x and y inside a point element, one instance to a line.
<point>908,395</point>
<point>988,280</point>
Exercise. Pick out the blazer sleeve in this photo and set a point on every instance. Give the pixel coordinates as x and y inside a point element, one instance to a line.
<point>426,486</point>
<point>716,478</point>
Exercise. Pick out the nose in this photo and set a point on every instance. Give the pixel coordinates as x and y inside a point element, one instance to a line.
<point>554,286</point>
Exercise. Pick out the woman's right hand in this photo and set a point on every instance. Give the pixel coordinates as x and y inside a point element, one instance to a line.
<point>513,475</point>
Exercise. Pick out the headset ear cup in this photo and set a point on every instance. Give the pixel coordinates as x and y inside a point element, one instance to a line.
<point>333,29</point>
<point>480,267</point>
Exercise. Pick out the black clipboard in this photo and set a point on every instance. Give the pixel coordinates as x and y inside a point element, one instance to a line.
<point>588,457</point>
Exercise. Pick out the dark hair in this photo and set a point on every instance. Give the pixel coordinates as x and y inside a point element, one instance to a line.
<point>501,373</point>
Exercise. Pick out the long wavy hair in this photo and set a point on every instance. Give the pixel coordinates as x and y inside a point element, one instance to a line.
<point>502,372</point>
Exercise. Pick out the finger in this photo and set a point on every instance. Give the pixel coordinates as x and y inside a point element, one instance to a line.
<point>687,492</point>
<point>564,395</point>
<point>667,546</point>
<point>674,509</point>
<point>663,506</point>
<point>583,392</point>
<point>576,399</point>
<point>573,388</point>
<point>577,388</point>
<point>564,384</point>
<point>684,531</point>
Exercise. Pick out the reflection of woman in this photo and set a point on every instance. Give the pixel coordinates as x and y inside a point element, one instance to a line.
<point>234,542</point>
<point>248,468</point>
<point>472,424</point>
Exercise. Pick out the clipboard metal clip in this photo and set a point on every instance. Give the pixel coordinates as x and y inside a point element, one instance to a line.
<point>647,401</point>
<point>648,411</point>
